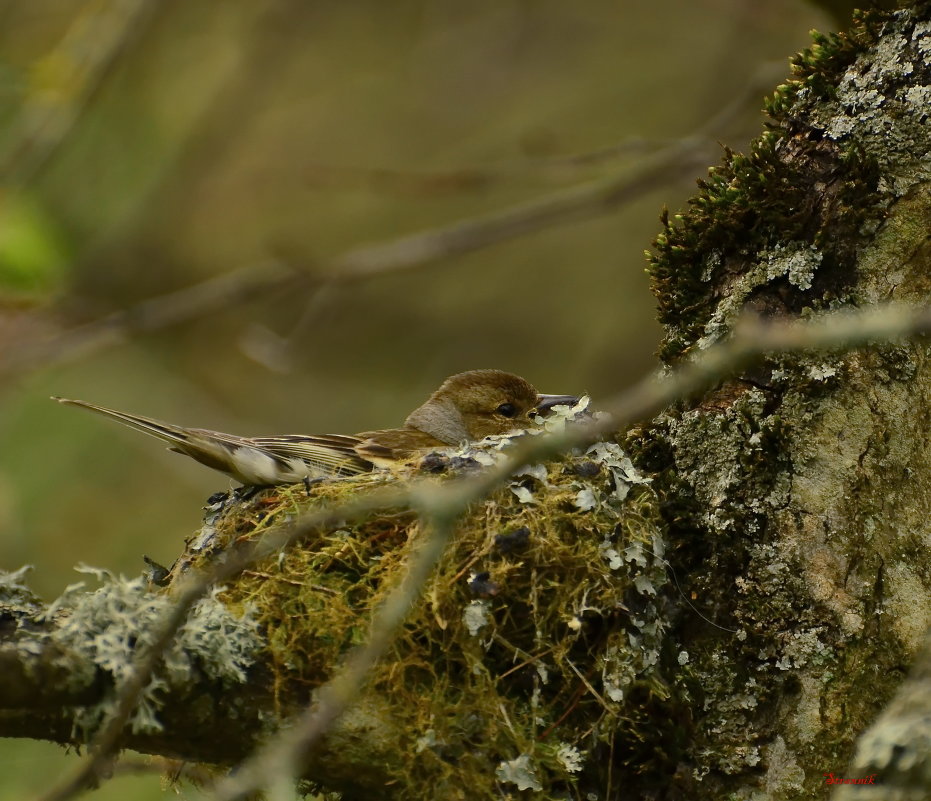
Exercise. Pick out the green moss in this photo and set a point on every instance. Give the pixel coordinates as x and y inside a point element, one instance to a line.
<point>811,179</point>
<point>819,67</point>
<point>516,647</point>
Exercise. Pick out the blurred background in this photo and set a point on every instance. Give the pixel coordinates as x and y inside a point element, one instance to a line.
<point>283,216</point>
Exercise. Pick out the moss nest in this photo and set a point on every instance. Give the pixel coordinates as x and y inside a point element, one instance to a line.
<point>533,652</point>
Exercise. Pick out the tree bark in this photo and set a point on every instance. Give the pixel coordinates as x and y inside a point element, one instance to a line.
<point>724,626</point>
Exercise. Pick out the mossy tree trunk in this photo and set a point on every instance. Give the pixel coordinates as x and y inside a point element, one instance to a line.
<point>726,630</point>
<point>807,479</point>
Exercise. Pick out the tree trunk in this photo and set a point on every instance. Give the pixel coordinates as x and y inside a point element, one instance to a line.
<point>722,617</point>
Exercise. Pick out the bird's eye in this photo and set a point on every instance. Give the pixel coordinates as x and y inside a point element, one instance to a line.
<point>507,410</point>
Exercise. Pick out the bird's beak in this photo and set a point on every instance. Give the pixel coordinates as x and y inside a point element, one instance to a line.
<point>547,402</point>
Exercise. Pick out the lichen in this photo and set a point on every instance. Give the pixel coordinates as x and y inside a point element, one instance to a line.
<point>120,619</point>
<point>805,492</point>
<point>812,187</point>
<point>13,589</point>
<point>798,524</point>
<point>882,103</point>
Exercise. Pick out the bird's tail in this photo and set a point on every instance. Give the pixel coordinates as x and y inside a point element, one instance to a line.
<point>176,435</point>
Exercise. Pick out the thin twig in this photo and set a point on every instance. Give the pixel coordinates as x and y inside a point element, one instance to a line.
<point>441,505</point>
<point>676,159</point>
<point>359,264</point>
<point>363,263</point>
<point>528,661</point>
<point>588,685</point>
<point>192,590</point>
<point>546,168</point>
<point>89,51</point>
<point>460,180</point>
<point>162,311</point>
<point>284,756</point>
<point>563,207</point>
<point>753,338</point>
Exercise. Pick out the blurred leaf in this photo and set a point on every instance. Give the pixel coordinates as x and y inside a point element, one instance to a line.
<point>32,254</point>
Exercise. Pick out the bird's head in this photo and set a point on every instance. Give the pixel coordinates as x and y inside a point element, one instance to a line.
<point>478,403</point>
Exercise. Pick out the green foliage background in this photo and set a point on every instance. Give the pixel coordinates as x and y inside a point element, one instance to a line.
<point>223,134</point>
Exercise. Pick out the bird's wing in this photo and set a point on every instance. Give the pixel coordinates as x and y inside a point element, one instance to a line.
<point>332,453</point>
<point>257,460</point>
<point>395,446</point>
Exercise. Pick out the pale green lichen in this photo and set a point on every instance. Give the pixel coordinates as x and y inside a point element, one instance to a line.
<point>475,616</point>
<point>520,772</point>
<point>13,589</point>
<point>570,757</point>
<point>621,468</point>
<point>784,777</point>
<point>873,109</point>
<point>797,262</point>
<point>110,626</point>
<point>12,580</point>
<point>715,453</point>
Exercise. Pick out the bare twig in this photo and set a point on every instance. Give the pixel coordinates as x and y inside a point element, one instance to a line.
<point>85,56</point>
<point>563,207</point>
<point>461,180</point>
<point>676,159</point>
<point>106,743</point>
<point>363,263</point>
<point>153,314</point>
<point>284,756</point>
<point>548,168</point>
<point>360,264</point>
<point>752,339</point>
<point>558,208</point>
<point>570,205</point>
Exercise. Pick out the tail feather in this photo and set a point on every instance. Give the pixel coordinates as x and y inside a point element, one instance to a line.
<point>259,461</point>
<point>155,428</point>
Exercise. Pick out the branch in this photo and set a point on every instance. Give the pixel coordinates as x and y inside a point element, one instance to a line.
<point>558,208</point>
<point>753,339</point>
<point>163,311</point>
<point>566,206</point>
<point>84,58</point>
<point>556,167</point>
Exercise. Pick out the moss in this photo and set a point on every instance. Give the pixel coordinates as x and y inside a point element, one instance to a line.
<point>535,654</point>
<point>800,518</point>
<point>845,135</point>
<point>819,67</point>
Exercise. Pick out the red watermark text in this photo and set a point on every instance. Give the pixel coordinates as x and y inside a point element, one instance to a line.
<point>832,779</point>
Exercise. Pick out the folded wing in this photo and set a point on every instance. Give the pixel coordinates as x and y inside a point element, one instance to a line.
<point>330,454</point>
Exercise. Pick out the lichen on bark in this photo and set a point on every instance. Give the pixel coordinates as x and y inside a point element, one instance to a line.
<point>790,503</point>
<point>808,474</point>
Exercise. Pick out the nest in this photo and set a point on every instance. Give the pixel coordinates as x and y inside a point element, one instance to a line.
<point>534,645</point>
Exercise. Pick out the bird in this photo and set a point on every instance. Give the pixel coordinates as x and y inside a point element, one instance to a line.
<point>465,408</point>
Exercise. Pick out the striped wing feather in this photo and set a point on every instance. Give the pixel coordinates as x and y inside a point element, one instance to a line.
<point>334,453</point>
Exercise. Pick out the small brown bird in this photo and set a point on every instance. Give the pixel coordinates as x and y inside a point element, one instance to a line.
<point>466,407</point>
